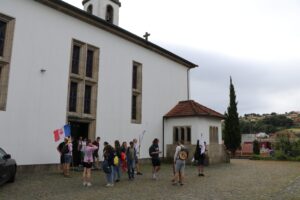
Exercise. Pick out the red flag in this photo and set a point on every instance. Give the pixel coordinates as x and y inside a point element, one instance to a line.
<point>57,133</point>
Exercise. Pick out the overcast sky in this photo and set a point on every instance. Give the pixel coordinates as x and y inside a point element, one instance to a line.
<point>257,42</point>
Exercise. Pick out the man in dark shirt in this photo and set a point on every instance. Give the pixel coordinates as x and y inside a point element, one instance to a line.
<point>154,153</point>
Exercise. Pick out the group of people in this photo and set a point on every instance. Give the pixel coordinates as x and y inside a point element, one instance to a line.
<point>124,159</point>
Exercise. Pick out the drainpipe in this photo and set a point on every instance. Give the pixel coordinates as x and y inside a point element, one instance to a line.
<point>163,136</point>
<point>188,83</point>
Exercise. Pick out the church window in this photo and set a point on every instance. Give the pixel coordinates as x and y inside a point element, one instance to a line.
<point>2,36</point>
<point>6,38</point>
<point>109,14</point>
<point>136,99</point>
<point>90,9</point>
<point>87,99</point>
<point>75,59</point>
<point>83,80</point>
<point>213,135</point>
<point>73,97</point>
<point>89,63</point>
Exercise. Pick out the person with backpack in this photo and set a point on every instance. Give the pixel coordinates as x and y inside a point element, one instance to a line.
<point>123,157</point>
<point>199,156</point>
<point>130,156</point>
<point>181,154</point>
<point>154,153</point>
<point>117,163</point>
<point>108,164</point>
<point>67,152</point>
<point>88,162</point>
<point>62,160</point>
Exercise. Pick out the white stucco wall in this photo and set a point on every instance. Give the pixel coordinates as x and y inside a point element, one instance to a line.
<point>199,128</point>
<point>36,103</point>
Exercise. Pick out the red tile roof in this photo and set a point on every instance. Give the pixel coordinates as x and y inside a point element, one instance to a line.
<point>191,108</point>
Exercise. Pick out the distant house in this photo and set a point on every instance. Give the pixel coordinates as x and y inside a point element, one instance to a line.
<point>190,121</point>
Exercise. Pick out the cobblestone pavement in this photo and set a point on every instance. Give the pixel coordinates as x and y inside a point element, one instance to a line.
<point>241,179</point>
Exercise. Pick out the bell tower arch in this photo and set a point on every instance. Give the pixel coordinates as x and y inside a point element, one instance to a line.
<point>107,10</point>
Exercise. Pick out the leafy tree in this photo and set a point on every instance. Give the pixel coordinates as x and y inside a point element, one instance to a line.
<point>232,135</point>
<point>256,149</point>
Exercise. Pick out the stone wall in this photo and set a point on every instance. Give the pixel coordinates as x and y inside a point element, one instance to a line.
<point>216,153</point>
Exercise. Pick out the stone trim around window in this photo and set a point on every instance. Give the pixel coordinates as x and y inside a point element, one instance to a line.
<point>136,96</point>
<point>5,59</point>
<point>82,80</point>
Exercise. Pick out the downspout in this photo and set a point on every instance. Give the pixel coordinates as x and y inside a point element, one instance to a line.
<point>188,83</point>
<point>163,136</point>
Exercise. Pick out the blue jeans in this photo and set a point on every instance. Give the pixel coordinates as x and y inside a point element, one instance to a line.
<point>117,174</point>
<point>130,166</point>
<point>110,176</point>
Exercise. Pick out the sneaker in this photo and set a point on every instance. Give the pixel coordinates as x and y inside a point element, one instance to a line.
<point>175,183</point>
<point>118,180</point>
<point>84,183</point>
<point>153,176</point>
<point>200,174</point>
<point>139,173</point>
<point>88,184</point>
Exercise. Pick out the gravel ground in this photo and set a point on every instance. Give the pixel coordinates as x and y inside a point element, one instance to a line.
<point>241,179</point>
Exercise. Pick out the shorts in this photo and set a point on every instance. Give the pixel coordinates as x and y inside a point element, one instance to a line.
<point>87,165</point>
<point>96,155</point>
<point>201,160</point>
<point>62,159</point>
<point>179,165</point>
<point>155,162</point>
<point>67,159</point>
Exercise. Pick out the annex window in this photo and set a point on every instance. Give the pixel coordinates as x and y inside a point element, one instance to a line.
<point>109,14</point>
<point>213,135</point>
<point>182,133</point>
<point>6,39</point>
<point>136,97</point>
<point>90,9</point>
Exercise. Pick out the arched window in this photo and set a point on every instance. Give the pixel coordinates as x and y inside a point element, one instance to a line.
<point>90,9</point>
<point>109,14</point>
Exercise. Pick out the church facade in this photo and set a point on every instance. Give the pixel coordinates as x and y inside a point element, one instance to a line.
<point>60,64</point>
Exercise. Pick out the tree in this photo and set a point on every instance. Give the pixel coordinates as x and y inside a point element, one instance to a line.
<point>232,135</point>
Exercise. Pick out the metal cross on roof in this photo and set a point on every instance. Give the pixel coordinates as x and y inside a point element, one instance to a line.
<point>146,36</point>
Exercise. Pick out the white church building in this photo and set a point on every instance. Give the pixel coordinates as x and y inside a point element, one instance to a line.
<point>60,64</point>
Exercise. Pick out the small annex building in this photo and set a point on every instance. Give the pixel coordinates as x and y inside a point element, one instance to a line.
<point>190,121</point>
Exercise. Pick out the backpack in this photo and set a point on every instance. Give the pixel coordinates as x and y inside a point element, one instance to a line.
<point>123,156</point>
<point>106,168</point>
<point>183,154</point>
<point>197,153</point>
<point>116,160</point>
<point>65,149</point>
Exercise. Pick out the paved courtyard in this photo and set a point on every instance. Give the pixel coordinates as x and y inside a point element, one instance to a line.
<point>241,179</point>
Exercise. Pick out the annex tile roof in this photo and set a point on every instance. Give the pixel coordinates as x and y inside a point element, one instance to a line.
<point>191,108</point>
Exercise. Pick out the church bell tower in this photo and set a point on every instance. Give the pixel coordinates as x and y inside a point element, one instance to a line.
<point>105,9</point>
